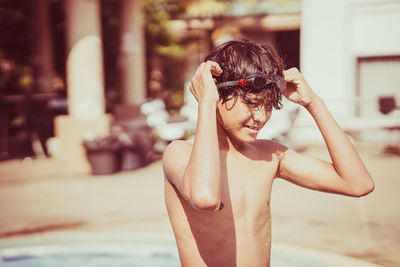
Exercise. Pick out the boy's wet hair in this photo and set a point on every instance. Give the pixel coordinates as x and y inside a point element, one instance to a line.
<point>240,58</point>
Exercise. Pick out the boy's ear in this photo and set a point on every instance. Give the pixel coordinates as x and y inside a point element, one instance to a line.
<point>231,102</point>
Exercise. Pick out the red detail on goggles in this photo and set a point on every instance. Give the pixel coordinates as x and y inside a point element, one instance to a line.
<point>242,83</point>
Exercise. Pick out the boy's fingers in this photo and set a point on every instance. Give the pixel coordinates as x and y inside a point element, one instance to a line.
<point>292,75</point>
<point>291,71</point>
<point>289,74</point>
<point>214,68</point>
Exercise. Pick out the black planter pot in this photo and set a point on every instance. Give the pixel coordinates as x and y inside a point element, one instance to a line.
<point>103,155</point>
<point>103,161</point>
<point>131,158</point>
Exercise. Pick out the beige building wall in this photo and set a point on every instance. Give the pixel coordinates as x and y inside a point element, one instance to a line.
<point>334,36</point>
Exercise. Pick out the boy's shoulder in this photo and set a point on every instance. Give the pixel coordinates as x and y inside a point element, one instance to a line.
<point>181,144</point>
<point>177,149</point>
<point>267,144</point>
<point>183,148</point>
<point>266,148</point>
<point>263,144</point>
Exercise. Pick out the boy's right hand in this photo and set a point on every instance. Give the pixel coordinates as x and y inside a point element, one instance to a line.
<point>203,84</point>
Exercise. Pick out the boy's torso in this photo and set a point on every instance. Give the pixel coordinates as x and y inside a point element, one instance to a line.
<point>239,233</point>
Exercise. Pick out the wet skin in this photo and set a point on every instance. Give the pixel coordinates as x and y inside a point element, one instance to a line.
<point>225,166</point>
<point>239,233</point>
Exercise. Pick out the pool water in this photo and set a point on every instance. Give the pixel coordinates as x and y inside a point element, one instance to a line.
<point>96,256</point>
<point>143,249</point>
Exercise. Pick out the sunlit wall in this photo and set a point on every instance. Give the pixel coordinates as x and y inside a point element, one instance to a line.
<point>336,38</point>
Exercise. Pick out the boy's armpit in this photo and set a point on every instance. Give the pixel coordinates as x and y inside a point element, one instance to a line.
<point>280,151</point>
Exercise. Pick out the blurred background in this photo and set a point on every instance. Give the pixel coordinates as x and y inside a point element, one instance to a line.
<point>73,67</point>
<point>100,87</point>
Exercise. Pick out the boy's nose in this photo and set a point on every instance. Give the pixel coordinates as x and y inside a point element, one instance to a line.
<point>260,115</point>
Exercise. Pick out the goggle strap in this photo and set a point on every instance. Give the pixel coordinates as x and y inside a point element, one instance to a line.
<point>278,80</point>
<point>225,84</point>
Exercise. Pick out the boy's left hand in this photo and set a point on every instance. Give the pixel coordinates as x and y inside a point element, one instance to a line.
<point>297,91</point>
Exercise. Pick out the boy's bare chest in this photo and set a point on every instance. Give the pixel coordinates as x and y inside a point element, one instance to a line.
<point>247,183</point>
<point>245,170</point>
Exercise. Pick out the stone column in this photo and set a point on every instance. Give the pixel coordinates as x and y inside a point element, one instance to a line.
<point>132,55</point>
<point>85,81</point>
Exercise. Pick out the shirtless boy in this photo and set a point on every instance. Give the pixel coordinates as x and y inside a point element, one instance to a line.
<point>218,187</point>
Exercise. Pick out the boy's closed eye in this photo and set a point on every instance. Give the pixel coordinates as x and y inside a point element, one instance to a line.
<point>258,105</point>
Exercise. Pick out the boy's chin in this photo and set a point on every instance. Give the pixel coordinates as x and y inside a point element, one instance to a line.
<point>246,139</point>
<point>250,140</point>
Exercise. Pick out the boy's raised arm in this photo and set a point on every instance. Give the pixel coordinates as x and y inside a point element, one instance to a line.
<point>346,174</point>
<point>195,170</point>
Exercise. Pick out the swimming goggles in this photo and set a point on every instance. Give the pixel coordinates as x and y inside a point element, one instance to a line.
<point>256,81</point>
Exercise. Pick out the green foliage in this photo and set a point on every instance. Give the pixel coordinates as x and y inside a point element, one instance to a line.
<point>173,50</point>
<point>173,69</point>
<point>164,51</point>
<point>157,14</point>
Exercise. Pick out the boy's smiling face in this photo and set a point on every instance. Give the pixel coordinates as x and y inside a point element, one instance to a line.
<point>243,119</point>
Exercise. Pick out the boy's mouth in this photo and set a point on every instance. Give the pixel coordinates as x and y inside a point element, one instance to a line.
<point>255,128</point>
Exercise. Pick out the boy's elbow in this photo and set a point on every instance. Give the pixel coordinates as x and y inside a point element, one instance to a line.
<point>364,189</point>
<point>205,201</point>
